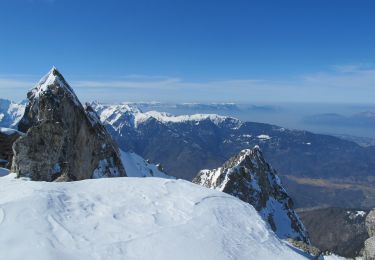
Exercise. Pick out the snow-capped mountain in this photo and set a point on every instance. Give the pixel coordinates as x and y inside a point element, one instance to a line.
<point>64,141</point>
<point>10,113</point>
<point>250,178</point>
<point>122,115</point>
<point>186,144</point>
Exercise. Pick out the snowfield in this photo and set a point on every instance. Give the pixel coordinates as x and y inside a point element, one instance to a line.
<point>130,218</point>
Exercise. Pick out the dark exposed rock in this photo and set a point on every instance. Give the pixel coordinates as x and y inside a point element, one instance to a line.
<point>250,178</point>
<point>7,138</point>
<point>64,141</point>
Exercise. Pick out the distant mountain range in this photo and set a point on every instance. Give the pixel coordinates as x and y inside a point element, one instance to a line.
<point>316,169</point>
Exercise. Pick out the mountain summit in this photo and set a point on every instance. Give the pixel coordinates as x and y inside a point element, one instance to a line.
<point>64,141</point>
<point>250,178</point>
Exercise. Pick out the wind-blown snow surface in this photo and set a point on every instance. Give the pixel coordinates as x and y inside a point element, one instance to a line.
<point>130,218</point>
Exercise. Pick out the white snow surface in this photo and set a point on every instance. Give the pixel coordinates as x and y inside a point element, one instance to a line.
<point>136,166</point>
<point>264,137</point>
<point>130,218</point>
<point>8,131</point>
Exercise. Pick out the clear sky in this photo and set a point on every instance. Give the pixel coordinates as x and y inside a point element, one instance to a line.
<point>192,50</point>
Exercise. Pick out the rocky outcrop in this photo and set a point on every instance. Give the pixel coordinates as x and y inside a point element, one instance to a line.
<point>369,248</point>
<point>64,141</point>
<point>370,223</point>
<point>311,250</point>
<point>250,178</point>
<point>7,138</point>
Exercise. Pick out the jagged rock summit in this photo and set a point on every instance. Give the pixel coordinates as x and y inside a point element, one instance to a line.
<point>250,178</point>
<point>64,140</point>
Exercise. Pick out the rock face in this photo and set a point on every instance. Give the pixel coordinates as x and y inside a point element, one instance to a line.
<point>250,178</point>
<point>369,249</point>
<point>64,141</point>
<point>370,223</point>
<point>7,138</point>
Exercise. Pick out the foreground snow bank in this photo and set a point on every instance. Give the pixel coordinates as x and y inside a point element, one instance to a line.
<point>130,218</point>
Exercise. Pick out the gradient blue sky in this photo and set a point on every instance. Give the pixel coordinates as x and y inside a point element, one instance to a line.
<point>192,50</point>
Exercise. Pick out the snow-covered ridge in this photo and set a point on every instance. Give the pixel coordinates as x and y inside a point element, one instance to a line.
<point>113,113</point>
<point>10,113</point>
<point>131,218</point>
<point>53,79</point>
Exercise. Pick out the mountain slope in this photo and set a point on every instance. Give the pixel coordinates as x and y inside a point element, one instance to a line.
<point>337,230</point>
<point>10,113</point>
<point>130,218</point>
<point>250,178</point>
<point>136,166</point>
<point>186,144</point>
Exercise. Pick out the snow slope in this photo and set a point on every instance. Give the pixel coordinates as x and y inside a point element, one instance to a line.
<point>130,218</point>
<point>136,166</point>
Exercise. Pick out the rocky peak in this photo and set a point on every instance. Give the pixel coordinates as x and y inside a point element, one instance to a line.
<point>45,100</point>
<point>369,246</point>
<point>250,178</point>
<point>64,140</point>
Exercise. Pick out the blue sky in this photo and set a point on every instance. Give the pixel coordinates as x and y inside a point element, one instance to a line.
<point>192,50</point>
